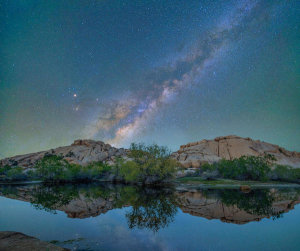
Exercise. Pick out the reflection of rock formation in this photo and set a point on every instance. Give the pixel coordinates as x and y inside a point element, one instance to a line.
<point>210,207</point>
<point>78,205</point>
<point>85,207</point>
<point>152,208</point>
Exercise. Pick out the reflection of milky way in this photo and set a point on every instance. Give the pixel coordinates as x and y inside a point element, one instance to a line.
<point>126,118</point>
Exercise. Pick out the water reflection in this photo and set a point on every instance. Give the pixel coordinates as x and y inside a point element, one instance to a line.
<point>234,206</point>
<point>156,208</point>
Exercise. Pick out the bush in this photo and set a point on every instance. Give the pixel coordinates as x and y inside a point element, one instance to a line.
<point>4,169</point>
<point>243,168</point>
<point>51,167</point>
<point>285,173</point>
<point>9,173</point>
<point>16,173</point>
<point>148,164</point>
<point>56,169</point>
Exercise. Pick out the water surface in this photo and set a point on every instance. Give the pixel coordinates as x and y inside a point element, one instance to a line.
<point>114,217</point>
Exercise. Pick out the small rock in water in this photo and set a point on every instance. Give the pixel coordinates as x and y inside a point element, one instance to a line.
<point>245,188</point>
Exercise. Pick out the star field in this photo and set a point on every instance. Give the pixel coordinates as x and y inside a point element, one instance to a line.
<point>168,72</point>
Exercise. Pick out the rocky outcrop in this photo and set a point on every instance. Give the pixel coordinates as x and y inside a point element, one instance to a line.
<point>80,152</point>
<point>21,242</point>
<point>230,147</point>
<point>190,155</point>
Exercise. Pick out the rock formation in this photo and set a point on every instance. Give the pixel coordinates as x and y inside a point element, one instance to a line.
<point>190,155</point>
<point>80,152</point>
<point>231,147</point>
<point>18,241</point>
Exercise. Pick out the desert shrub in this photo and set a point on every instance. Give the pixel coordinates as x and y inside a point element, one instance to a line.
<point>148,164</point>
<point>16,173</point>
<point>130,171</point>
<point>56,169</point>
<point>92,171</point>
<point>51,167</point>
<point>209,167</point>
<point>4,169</point>
<point>12,173</point>
<point>245,168</point>
<point>285,173</point>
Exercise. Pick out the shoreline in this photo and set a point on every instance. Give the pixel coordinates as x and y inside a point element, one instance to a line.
<point>186,182</point>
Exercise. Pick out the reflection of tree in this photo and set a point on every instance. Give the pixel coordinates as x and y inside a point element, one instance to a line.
<point>258,202</point>
<point>149,208</point>
<point>152,209</point>
<point>50,198</point>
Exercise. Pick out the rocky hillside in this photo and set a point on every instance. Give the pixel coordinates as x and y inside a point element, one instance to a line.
<point>80,152</point>
<point>190,155</point>
<point>231,147</point>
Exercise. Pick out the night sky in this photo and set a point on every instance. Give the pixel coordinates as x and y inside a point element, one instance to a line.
<point>166,71</point>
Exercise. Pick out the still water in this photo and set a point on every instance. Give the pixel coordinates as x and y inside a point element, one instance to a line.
<point>114,217</point>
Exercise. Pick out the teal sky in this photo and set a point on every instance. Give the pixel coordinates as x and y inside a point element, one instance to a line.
<point>168,72</point>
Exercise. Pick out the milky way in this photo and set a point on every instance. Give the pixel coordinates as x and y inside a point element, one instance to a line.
<point>127,117</point>
<point>154,71</point>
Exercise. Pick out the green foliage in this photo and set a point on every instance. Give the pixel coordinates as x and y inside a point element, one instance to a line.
<point>286,173</point>
<point>149,164</point>
<point>251,168</point>
<point>16,173</point>
<point>5,169</point>
<point>130,171</point>
<point>245,168</point>
<point>51,167</point>
<point>56,169</point>
<point>9,173</point>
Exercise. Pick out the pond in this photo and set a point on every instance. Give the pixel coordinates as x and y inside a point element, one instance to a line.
<point>115,217</point>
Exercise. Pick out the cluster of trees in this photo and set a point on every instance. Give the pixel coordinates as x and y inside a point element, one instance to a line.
<point>54,168</point>
<point>249,168</point>
<point>146,165</point>
<point>149,164</point>
<point>8,173</point>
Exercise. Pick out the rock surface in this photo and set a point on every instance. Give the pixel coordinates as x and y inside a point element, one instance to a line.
<point>190,155</point>
<point>20,242</point>
<point>230,147</point>
<point>80,152</point>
